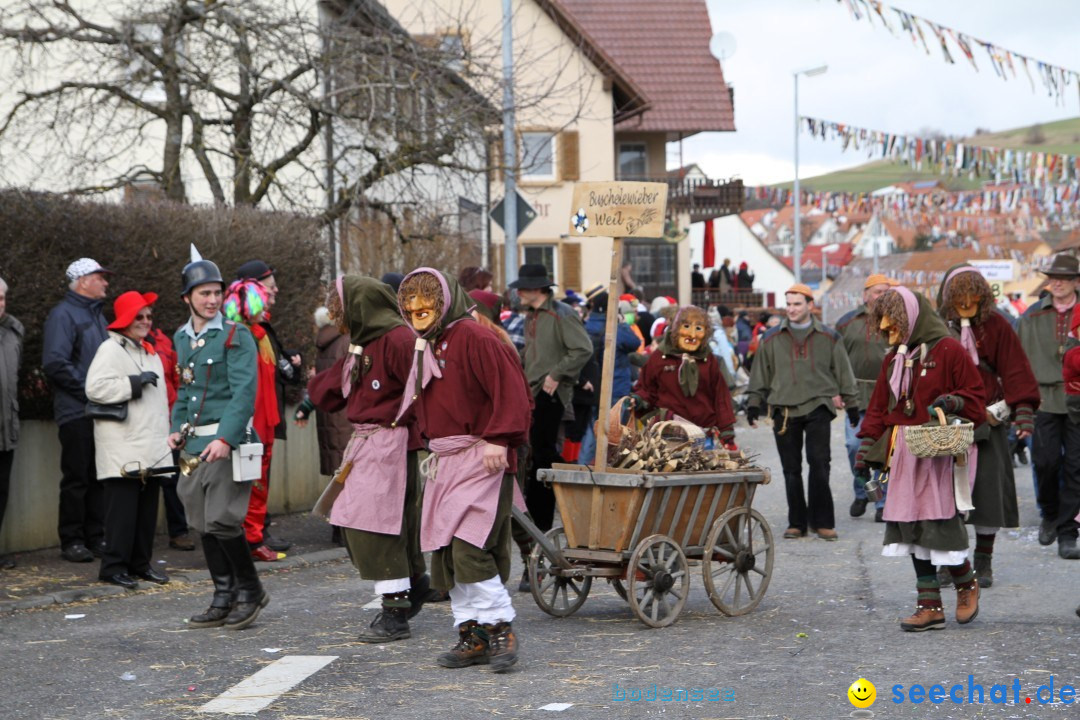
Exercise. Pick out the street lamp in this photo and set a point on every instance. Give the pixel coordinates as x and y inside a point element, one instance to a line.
<point>810,72</point>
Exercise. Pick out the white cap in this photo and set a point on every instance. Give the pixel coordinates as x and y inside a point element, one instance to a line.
<point>84,266</point>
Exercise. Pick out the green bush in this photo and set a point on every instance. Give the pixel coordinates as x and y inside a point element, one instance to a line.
<point>147,245</point>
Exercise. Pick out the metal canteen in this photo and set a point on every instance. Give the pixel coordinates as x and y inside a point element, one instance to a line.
<point>873,488</point>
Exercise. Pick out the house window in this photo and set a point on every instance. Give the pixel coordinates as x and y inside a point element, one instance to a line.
<point>541,255</point>
<point>633,162</point>
<point>538,156</point>
<point>655,267</point>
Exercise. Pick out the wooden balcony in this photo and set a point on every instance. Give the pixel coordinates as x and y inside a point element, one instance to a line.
<point>701,198</point>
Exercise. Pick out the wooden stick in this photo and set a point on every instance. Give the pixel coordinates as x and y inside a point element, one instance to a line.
<point>609,354</point>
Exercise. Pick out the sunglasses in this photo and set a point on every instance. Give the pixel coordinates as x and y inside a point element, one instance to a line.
<point>144,317</point>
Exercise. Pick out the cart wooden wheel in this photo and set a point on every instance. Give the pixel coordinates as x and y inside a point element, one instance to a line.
<point>739,565</point>
<point>658,581</point>
<point>558,596</point>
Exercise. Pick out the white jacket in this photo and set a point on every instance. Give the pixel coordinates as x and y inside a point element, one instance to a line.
<point>143,437</point>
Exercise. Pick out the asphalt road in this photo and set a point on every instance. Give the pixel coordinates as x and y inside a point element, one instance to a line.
<point>828,618</point>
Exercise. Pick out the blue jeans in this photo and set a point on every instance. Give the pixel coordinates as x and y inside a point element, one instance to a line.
<point>588,441</point>
<point>852,442</point>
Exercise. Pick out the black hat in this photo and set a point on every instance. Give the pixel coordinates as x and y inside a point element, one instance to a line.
<point>393,279</point>
<point>1065,265</point>
<point>532,277</point>
<point>254,270</point>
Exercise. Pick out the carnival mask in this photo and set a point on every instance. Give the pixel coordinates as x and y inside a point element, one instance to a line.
<point>691,331</point>
<point>966,305</point>
<point>421,301</point>
<point>891,329</point>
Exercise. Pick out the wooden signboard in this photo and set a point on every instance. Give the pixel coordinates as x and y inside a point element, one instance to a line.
<point>618,210</point>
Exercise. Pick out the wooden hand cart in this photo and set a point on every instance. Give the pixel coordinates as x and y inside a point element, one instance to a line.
<point>643,531</point>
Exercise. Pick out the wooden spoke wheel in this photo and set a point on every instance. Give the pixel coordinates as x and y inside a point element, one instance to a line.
<point>658,581</point>
<point>738,560</point>
<point>558,596</point>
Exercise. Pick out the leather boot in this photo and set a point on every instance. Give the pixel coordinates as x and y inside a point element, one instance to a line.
<point>471,648</point>
<point>967,602</point>
<point>419,590</point>
<point>983,570</point>
<point>390,624</point>
<point>221,573</point>
<point>924,619</point>
<point>1067,549</point>
<point>502,646</point>
<point>250,596</point>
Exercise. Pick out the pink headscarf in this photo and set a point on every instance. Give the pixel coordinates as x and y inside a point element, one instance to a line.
<point>967,336</point>
<point>900,377</point>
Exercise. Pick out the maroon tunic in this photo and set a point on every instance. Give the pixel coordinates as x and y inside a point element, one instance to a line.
<point>482,390</point>
<point>948,371</point>
<point>658,385</point>
<point>376,394</point>
<point>1006,372</point>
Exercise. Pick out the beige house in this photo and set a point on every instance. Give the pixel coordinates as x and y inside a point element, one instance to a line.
<point>601,88</point>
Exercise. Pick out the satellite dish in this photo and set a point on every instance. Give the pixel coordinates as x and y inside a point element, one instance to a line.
<point>722,46</point>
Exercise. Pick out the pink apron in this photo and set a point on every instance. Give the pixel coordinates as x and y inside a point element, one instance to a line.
<point>461,498</point>
<point>373,498</point>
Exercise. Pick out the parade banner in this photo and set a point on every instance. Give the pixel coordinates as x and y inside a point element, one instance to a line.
<point>1055,79</point>
<point>950,157</point>
<point>618,209</point>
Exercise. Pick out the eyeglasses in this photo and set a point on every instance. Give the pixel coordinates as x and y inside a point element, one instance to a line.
<point>144,317</point>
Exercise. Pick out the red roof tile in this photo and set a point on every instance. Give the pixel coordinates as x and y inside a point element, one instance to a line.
<point>664,47</point>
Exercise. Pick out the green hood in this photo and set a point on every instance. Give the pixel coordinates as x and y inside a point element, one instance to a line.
<point>371,309</point>
<point>929,327</point>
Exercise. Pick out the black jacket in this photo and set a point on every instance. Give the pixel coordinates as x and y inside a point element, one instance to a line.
<point>287,374</point>
<point>73,331</point>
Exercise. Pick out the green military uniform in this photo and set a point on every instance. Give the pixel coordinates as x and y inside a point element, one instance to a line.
<point>865,348</point>
<point>798,371</point>
<point>216,397</point>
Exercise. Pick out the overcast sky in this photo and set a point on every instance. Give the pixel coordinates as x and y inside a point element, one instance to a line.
<point>874,80</point>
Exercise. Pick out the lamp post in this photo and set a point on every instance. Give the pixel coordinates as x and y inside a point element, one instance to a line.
<point>811,72</point>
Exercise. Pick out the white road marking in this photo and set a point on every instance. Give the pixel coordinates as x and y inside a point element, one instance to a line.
<point>255,693</point>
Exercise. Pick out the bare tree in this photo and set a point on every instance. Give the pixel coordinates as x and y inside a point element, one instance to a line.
<point>227,101</point>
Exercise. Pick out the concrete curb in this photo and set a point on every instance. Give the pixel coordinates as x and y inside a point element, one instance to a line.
<point>93,592</point>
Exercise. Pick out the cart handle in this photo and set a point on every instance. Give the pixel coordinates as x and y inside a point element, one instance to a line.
<point>553,554</point>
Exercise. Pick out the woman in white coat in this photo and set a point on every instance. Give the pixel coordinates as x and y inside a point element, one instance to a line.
<point>127,371</point>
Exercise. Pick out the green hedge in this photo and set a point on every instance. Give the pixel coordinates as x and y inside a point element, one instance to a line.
<point>147,245</point>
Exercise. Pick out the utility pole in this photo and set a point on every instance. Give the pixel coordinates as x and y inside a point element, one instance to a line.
<point>510,259</point>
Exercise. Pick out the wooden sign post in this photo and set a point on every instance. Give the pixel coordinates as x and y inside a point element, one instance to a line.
<point>617,210</point>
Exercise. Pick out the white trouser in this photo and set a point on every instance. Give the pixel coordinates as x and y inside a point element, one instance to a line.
<point>389,587</point>
<point>486,602</point>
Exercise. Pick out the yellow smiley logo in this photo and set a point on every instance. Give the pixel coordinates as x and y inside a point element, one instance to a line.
<point>862,693</point>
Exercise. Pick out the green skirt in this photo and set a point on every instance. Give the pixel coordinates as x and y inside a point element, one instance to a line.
<point>378,556</point>
<point>931,534</point>
<point>464,562</point>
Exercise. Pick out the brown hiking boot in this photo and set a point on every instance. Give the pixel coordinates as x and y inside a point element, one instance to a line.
<point>471,648</point>
<point>967,602</point>
<point>503,648</point>
<point>827,534</point>
<point>793,533</point>
<point>924,619</point>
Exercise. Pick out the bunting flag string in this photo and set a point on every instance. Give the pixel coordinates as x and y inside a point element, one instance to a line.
<point>1055,79</point>
<point>950,157</point>
<point>1009,209</point>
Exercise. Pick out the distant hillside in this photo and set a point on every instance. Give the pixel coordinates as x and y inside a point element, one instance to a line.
<point>1061,137</point>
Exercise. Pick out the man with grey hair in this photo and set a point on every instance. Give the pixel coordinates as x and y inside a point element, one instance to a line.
<point>73,331</point>
<point>11,340</point>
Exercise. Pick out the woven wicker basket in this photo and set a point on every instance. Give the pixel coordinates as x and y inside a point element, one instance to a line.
<point>931,441</point>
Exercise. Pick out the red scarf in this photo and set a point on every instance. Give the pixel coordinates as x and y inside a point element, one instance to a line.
<point>266,416</point>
